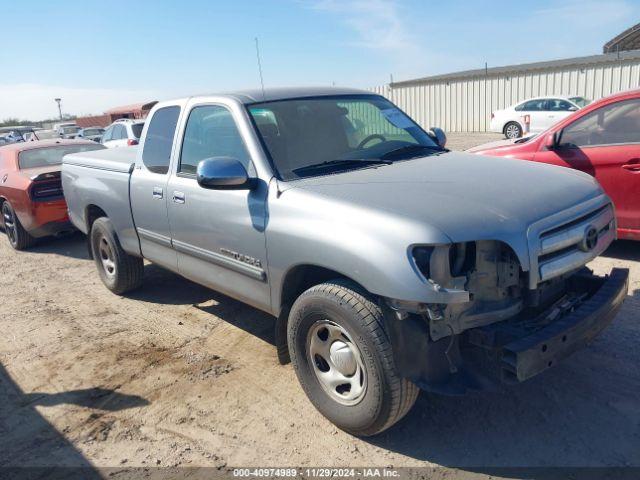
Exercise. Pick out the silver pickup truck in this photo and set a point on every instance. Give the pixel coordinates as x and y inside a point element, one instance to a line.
<point>391,263</point>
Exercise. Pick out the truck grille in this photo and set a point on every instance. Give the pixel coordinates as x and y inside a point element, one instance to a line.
<point>569,246</point>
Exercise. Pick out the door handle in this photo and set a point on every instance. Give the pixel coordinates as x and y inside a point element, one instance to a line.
<point>158,193</point>
<point>632,165</point>
<point>178,197</point>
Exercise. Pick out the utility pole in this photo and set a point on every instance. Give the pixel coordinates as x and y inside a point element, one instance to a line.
<point>58,100</point>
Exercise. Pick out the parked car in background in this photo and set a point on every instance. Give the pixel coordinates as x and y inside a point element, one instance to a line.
<point>16,133</point>
<point>91,133</point>
<point>391,263</point>
<point>42,134</point>
<point>31,199</point>
<point>542,112</point>
<point>603,140</point>
<point>68,131</point>
<point>122,133</point>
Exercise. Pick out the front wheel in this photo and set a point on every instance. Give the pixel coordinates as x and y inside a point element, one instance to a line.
<point>119,271</point>
<point>343,359</point>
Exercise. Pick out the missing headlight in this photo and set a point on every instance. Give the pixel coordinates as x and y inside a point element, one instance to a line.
<point>443,262</point>
<point>462,258</point>
<point>422,258</point>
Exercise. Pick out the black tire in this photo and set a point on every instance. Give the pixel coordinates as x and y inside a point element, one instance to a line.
<point>119,271</point>
<point>18,237</point>
<point>385,397</point>
<point>512,130</point>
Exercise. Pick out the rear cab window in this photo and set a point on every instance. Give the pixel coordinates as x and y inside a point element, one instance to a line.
<point>156,153</point>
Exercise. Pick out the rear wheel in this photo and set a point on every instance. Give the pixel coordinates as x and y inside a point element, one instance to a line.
<point>512,130</point>
<point>119,271</point>
<point>343,359</point>
<point>18,237</point>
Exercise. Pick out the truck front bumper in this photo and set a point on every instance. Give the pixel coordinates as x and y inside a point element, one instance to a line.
<point>526,357</point>
<point>509,351</point>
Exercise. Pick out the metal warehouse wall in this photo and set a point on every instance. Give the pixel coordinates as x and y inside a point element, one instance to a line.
<point>464,102</point>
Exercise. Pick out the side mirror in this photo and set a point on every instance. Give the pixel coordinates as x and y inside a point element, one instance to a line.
<point>223,173</point>
<point>573,109</point>
<point>439,136</point>
<point>551,141</point>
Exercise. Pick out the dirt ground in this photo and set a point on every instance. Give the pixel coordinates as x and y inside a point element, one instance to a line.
<point>178,375</point>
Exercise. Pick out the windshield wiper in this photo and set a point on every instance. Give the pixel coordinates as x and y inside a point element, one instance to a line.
<point>415,149</point>
<point>351,162</point>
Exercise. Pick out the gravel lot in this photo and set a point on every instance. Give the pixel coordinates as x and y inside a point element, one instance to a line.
<point>178,375</point>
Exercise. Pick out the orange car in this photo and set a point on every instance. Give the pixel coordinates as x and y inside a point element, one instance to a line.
<point>31,198</point>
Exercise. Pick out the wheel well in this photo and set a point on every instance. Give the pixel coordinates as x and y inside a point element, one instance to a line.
<point>93,213</point>
<point>296,281</point>
<point>302,278</point>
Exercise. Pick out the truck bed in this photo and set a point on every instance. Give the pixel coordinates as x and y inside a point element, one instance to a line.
<point>99,181</point>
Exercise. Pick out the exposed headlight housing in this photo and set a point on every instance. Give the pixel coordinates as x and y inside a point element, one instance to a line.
<point>440,263</point>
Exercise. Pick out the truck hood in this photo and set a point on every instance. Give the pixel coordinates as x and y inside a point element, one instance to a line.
<point>501,144</point>
<point>467,197</point>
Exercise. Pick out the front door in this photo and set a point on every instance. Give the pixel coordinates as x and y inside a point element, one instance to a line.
<point>148,189</point>
<point>606,144</point>
<point>218,234</point>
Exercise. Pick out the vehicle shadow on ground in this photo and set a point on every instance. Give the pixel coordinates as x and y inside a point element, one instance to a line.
<point>72,245</point>
<point>96,397</point>
<point>584,412</point>
<point>624,250</point>
<point>163,286</point>
<point>30,445</point>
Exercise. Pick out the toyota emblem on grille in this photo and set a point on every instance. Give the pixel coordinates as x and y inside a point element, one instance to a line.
<point>590,239</point>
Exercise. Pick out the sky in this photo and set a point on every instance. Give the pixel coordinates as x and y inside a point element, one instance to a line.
<point>97,55</point>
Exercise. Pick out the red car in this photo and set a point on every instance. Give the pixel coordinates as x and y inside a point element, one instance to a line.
<point>603,140</point>
<point>31,198</point>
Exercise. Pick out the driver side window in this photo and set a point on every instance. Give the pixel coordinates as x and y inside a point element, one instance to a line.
<point>211,131</point>
<point>612,124</point>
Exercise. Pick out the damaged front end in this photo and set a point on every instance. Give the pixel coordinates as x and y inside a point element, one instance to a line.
<point>505,331</point>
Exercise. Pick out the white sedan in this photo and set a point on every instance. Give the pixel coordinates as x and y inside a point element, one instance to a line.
<point>542,112</point>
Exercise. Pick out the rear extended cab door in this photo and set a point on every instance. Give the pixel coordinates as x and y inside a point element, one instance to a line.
<point>149,179</point>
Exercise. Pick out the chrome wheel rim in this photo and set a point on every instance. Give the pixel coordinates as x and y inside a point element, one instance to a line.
<point>513,131</point>
<point>9,222</point>
<point>337,362</point>
<point>106,257</point>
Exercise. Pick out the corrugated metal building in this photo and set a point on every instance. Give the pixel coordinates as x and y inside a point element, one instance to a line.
<point>463,101</point>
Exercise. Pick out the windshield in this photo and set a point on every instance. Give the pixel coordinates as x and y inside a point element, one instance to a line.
<point>137,129</point>
<point>336,132</point>
<point>580,101</point>
<point>43,157</point>
<point>92,131</point>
